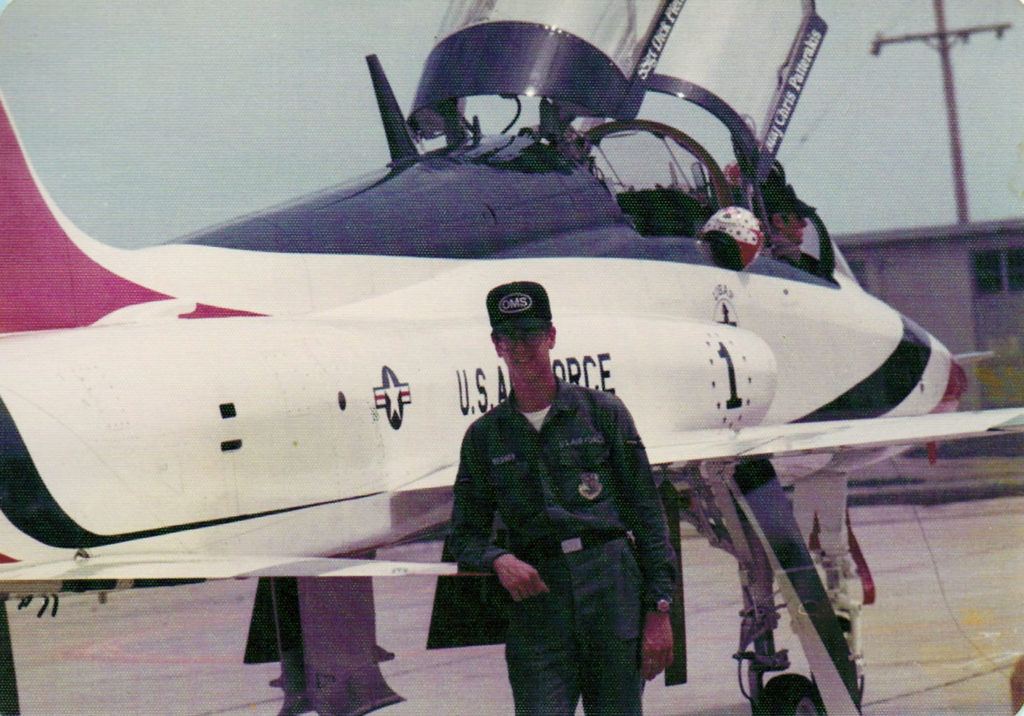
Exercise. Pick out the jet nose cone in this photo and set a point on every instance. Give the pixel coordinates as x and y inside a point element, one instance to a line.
<point>956,386</point>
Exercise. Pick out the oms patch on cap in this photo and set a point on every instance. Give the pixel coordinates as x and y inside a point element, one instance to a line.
<point>515,303</point>
<point>520,305</point>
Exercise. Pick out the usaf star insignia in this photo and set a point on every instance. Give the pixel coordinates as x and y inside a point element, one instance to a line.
<point>392,397</point>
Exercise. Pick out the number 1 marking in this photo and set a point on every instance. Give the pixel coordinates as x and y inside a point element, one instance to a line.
<point>734,398</point>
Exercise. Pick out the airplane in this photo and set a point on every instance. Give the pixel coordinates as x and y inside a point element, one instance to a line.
<point>280,395</point>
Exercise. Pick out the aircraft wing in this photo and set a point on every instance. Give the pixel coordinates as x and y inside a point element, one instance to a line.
<point>696,445</point>
<point>831,436</point>
<point>802,438</point>
<point>195,566</point>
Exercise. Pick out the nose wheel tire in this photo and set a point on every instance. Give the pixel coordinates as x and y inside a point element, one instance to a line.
<point>789,695</point>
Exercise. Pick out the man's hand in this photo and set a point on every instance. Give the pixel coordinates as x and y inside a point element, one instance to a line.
<point>519,578</point>
<point>656,654</point>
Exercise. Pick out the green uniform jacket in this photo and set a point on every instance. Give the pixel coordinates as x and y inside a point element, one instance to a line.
<point>585,471</point>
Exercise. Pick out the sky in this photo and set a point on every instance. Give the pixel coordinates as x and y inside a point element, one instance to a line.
<point>150,120</point>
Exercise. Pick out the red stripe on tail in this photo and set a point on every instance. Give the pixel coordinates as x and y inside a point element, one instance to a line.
<point>46,281</point>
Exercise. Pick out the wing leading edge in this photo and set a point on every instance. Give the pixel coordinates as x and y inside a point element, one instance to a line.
<point>831,436</point>
<point>801,438</point>
<point>196,566</point>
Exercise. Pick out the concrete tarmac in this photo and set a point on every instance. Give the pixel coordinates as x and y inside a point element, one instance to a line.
<point>941,639</point>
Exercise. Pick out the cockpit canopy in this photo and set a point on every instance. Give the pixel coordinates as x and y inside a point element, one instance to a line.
<point>583,55</point>
<point>743,60</point>
<point>745,53</point>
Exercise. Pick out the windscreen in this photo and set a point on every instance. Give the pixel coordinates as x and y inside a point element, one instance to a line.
<point>617,28</point>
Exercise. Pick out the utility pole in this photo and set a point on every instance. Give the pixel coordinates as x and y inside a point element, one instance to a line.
<point>943,40</point>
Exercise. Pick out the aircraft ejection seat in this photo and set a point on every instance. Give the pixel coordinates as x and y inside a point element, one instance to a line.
<point>682,206</point>
<point>663,211</point>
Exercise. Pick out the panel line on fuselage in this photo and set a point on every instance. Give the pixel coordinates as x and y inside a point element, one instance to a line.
<point>29,505</point>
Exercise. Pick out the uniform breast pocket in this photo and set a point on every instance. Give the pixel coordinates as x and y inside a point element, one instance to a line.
<point>586,469</point>
<point>585,456</point>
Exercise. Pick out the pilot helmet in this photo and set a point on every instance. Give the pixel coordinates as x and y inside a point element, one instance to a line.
<point>735,235</point>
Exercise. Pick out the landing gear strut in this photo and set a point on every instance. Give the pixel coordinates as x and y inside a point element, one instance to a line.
<point>741,509</point>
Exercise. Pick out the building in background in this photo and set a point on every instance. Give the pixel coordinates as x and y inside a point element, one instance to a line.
<point>965,284</point>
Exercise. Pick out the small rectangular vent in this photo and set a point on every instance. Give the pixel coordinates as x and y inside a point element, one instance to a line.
<point>229,445</point>
<point>227,410</point>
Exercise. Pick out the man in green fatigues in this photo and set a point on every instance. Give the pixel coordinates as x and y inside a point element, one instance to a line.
<point>590,568</point>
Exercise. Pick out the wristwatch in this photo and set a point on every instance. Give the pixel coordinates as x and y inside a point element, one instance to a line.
<point>663,605</point>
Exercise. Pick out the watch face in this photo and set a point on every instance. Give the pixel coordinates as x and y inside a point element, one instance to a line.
<point>664,605</point>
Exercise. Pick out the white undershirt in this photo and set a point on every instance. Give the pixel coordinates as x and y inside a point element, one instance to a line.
<point>537,418</point>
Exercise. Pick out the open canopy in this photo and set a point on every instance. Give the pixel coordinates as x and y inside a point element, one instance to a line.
<point>753,56</point>
<point>583,55</point>
<point>746,61</point>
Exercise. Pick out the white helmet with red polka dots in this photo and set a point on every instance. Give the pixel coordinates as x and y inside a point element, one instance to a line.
<point>740,225</point>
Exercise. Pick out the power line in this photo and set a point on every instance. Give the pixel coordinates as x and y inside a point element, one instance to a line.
<point>943,40</point>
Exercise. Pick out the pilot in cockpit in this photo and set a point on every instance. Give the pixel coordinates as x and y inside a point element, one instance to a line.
<point>787,220</point>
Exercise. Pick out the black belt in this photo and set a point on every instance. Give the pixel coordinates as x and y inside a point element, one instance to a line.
<point>548,547</point>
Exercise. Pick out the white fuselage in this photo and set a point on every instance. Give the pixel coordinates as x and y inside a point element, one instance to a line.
<point>290,435</point>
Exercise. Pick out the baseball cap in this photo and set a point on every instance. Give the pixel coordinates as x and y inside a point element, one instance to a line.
<point>520,305</point>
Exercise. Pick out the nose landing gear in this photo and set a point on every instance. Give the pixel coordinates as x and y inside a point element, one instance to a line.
<point>789,695</point>
<point>741,508</point>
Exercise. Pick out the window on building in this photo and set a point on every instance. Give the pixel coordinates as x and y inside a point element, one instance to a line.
<point>998,271</point>
<point>1015,269</point>
<point>988,272</point>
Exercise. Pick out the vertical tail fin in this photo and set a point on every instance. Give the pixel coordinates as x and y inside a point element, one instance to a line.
<point>46,279</point>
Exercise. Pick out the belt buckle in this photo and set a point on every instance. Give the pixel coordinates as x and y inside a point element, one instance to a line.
<point>573,544</point>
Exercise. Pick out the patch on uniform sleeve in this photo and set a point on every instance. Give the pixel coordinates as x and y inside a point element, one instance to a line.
<point>590,485</point>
